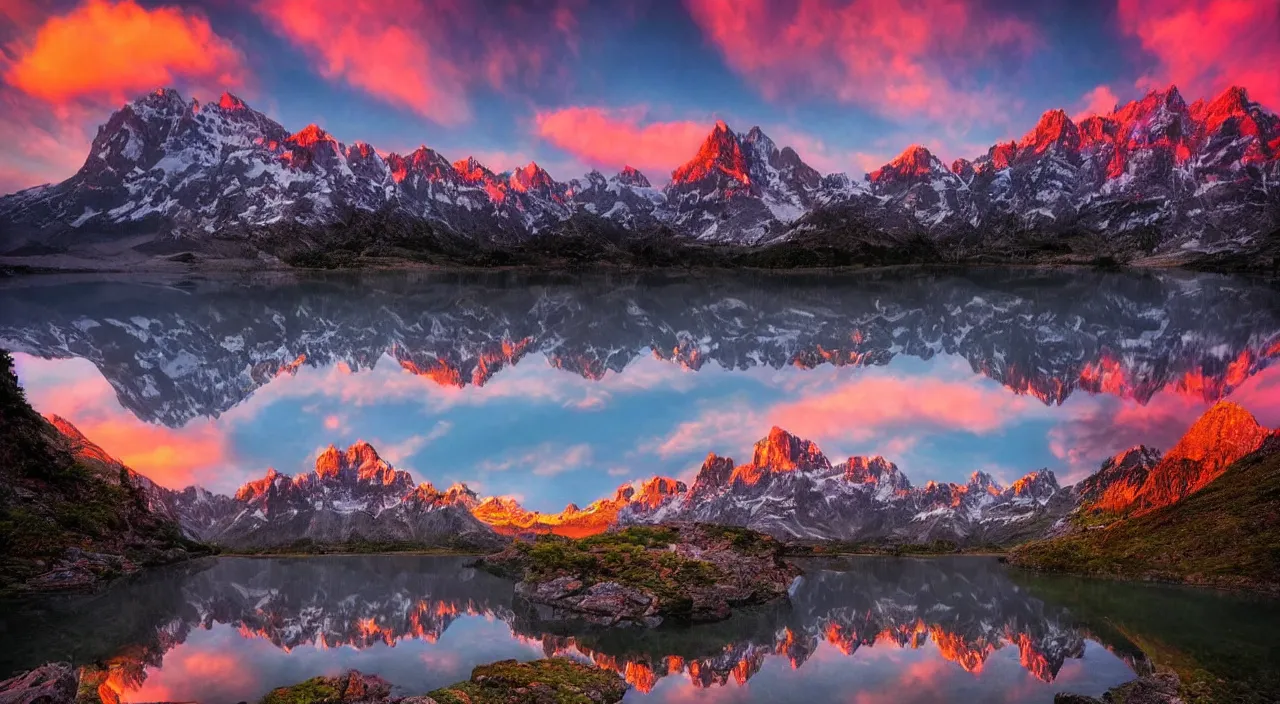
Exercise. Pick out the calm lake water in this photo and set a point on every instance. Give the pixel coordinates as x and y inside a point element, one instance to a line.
<point>557,389</point>
<point>962,629</point>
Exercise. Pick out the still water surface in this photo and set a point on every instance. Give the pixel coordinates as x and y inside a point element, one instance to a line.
<point>964,629</point>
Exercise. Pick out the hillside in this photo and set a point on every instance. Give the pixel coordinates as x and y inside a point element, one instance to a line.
<point>70,516</point>
<point>1224,535</point>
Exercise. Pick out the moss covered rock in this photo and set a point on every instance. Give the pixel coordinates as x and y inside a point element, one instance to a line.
<point>353,687</point>
<point>550,681</point>
<point>643,575</point>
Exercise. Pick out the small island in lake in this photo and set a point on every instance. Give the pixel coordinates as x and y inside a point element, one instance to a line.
<point>643,575</point>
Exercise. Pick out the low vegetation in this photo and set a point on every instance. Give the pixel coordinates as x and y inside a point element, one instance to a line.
<point>50,503</point>
<point>550,681</point>
<point>687,571</point>
<point>1225,535</point>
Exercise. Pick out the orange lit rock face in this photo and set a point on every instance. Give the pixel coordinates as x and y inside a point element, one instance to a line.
<point>1140,480</point>
<point>230,102</point>
<point>310,136</point>
<point>720,153</point>
<point>915,161</point>
<point>1054,129</point>
<point>360,459</point>
<point>1224,434</point>
<point>508,517</point>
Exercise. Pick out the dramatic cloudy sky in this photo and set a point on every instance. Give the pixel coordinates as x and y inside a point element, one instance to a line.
<point>575,84</point>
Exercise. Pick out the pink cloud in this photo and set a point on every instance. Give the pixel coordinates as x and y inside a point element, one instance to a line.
<point>617,137</point>
<point>883,412</point>
<point>892,56</point>
<point>1101,426</point>
<point>1099,101</point>
<point>132,50</point>
<point>1204,46</point>
<point>198,453</point>
<point>422,55</point>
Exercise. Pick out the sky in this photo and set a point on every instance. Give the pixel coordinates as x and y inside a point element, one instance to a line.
<point>577,84</point>
<point>548,437</point>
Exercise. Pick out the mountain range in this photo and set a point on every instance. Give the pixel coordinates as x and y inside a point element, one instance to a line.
<point>1154,176</point>
<point>176,351</point>
<point>789,489</point>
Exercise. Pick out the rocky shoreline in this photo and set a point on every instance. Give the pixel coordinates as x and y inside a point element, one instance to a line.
<point>642,576</point>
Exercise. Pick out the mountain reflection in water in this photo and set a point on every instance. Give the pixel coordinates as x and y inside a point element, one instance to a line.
<point>503,380</point>
<point>230,629</point>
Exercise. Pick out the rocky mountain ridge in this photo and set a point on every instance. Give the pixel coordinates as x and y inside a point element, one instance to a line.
<point>176,351</point>
<point>350,496</point>
<point>1154,176</point>
<point>789,490</point>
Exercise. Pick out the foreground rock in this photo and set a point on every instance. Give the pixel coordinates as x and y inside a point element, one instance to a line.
<point>1155,689</point>
<point>54,683</point>
<point>551,681</point>
<point>352,687</point>
<point>643,575</point>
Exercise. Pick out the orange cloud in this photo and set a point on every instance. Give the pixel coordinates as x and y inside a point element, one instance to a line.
<point>421,55</point>
<point>1204,46</point>
<point>1099,101</point>
<point>892,56</point>
<point>114,51</point>
<point>615,138</point>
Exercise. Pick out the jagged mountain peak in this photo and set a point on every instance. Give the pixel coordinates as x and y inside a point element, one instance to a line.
<point>914,161</point>
<point>1038,485</point>
<point>311,135</point>
<point>720,154</point>
<point>1054,129</point>
<point>983,482</point>
<point>472,170</point>
<point>1225,427</point>
<point>875,470</point>
<point>531,177</point>
<point>780,450</point>
<point>632,176</point>
<point>231,103</point>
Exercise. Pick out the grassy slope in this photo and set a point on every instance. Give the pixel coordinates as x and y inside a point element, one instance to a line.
<point>1225,535</point>
<point>50,502</point>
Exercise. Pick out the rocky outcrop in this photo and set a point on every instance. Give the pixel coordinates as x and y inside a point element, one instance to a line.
<point>549,681</point>
<point>1161,688</point>
<point>351,687</point>
<point>72,516</point>
<point>641,576</point>
<point>55,683</point>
